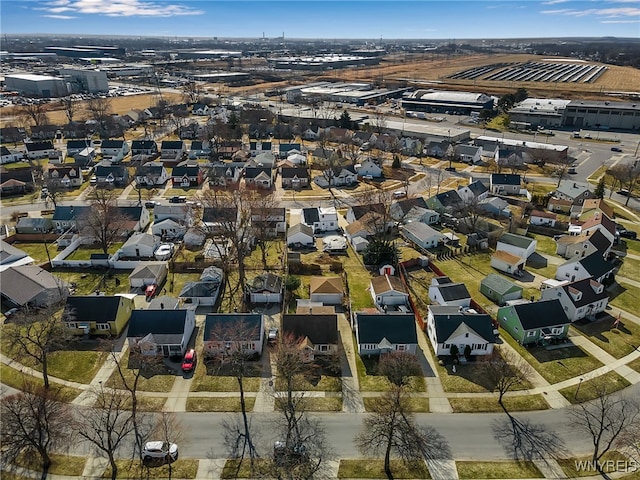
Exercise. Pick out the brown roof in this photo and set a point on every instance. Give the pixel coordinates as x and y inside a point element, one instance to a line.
<point>507,257</point>
<point>599,204</point>
<point>322,310</point>
<point>386,283</point>
<point>571,239</point>
<point>326,285</point>
<point>541,214</point>
<point>560,201</point>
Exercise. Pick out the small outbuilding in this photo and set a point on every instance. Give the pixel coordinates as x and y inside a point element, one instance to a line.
<point>500,289</point>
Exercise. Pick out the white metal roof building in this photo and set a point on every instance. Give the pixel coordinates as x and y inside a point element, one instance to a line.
<point>546,112</point>
<point>36,85</point>
<point>446,101</point>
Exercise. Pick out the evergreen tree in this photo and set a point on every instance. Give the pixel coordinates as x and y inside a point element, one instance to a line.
<point>345,120</point>
<point>599,191</point>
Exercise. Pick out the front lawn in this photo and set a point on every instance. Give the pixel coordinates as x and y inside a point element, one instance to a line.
<point>522,403</point>
<point>322,404</point>
<point>619,341</point>
<point>583,467</point>
<point>624,296</point>
<point>630,269</point>
<point>14,378</point>
<point>210,377</point>
<point>371,382</point>
<point>183,468</point>
<point>497,469</point>
<point>558,364</point>
<point>218,404</point>
<point>591,389</point>
<point>154,376</point>
<point>373,468</point>
<point>70,465</point>
<point>415,404</point>
<point>75,365</point>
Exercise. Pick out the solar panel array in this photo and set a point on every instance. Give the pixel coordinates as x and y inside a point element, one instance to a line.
<point>534,72</point>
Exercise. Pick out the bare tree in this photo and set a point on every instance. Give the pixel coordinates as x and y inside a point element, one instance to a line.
<point>36,332</point>
<point>263,218</point>
<point>398,368</point>
<point>34,424</point>
<point>169,430</point>
<point>99,108</point>
<point>505,371</point>
<point>34,113</point>
<point>608,421</point>
<point>391,430</point>
<point>103,221</point>
<point>379,122</point>
<point>192,92</point>
<point>70,108</point>
<point>108,425</point>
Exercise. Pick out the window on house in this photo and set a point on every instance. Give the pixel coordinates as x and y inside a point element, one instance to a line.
<point>401,348</point>
<point>72,325</point>
<point>557,330</point>
<point>447,345</point>
<point>516,329</point>
<point>466,335</point>
<point>103,326</point>
<point>532,333</point>
<point>324,348</point>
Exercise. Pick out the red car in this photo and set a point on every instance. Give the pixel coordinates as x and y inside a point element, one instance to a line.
<point>150,291</point>
<point>189,361</point>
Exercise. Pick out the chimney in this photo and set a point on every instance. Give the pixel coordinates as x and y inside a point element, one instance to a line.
<point>162,306</point>
<point>531,298</point>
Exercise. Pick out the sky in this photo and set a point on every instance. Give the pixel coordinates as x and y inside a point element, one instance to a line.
<point>328,19</point>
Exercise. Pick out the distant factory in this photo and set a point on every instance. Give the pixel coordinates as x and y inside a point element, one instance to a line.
<point>69,80</point>
<point>81,51</point>
<point>322,62</point>
<point>207,54</point>
<point>352,93</point>
<point>436,101</point>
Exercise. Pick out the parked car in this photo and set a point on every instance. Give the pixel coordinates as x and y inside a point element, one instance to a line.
<point>158,450</point>
<point>293,455</point>
<point>399,194</point>
<point>189,361</point>
<point>272,336</point>
<point>150,291</point>
<point>150,204</point>
<point>616,149</point>
<point>629,234</point>
<point>178,199</point>
<point>624,192</point>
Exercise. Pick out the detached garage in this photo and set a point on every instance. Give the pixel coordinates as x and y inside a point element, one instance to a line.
<point>500,289</point>
<point>148,274</point>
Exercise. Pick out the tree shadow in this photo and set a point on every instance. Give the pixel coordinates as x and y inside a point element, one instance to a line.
<point>524,440</point>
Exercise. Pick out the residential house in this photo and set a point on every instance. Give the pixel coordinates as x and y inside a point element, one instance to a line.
<point>105,315</point>
<point>110,175</point>
<point>29,285</point>
<point>505,184</point>
<point>499,289</point>
<point>265,288</point>
<point>172,151</point>
<point>9,156</point>
<point>66,217</point>
<point>474,192</point>
<point>582,299</point>
<point>114,150</point>
<point>135,219</point>
<point>327,290</point>
<point>369,168</point>
<point>286,149</point>
<point>369,225</point>
<point>576,192</point>
<point>449,201</point>
<point>34,225</point>
<point>559,205</point>
<point>151,174</point>
<point>259,177</point>
<point>179,213</point>
<point>508,262</point>
<point>264,159</point>
<point>592,266</point>
<point>401,208</point>
<point>380,333</point>
<point>447,326</point>
<point>168,229</point>
<point>199,149</point>
<point>225,333</point>
<point>421,235</point>
<point>258,147</point>
<point>593,205</point>
<point>161,332</point>
<point>517,245</point>
<point>337,177</point>
<point>219,220</point>
<point>39,150</point>
<point>66,176</point>
<point>194,238</point>
<point>596,222</point>
<point>45,132</point>
<point>206,290</point>
<point>187,174</point>
<point>317,334</point>
<point>320,219</point>
<point>225,174</point>
<point>229,150</point>
<point>570,246</point>
<point>535,323</point>
<point>13,186</point>
<point>12,134</point>
<point>148,273</point>
<point>540,218</point>
<point>269,222</point>
<point>468,153</point>
<point>356,212</point>
<point>200,109</point>
<point>410,146</point>
<point>294,160</point>
<point>360,137</point>
<point>85,157</point>
<point>437,149</point>
<point>495,206</point>
<point>144,147</point>
<point>140,245</point>
<point>388,291</point>
<point>424,215</point>
<point>445,292</point>
<point>324,156</point>
<point>294,177</point>
<point>300,235</point>
<point>311,133</point>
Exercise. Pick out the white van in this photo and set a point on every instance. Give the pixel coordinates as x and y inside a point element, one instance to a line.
<point>399,194</point>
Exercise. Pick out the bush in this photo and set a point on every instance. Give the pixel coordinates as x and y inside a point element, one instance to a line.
<point>291,283</point>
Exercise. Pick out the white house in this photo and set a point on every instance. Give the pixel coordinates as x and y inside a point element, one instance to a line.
<point>388,290</point>
<point>378,333</point>
<point>114,150</point>
<point>546,219</point>
<point>36,150</point>
<point>152,174</point>
<point>468,153</point>
<point>517,245</point>
<point>300,235</point>
<point>168,228</point>
<point>579,268</point>
<point>200,109</point>
<point>369,168</point>
<point>421,234</point>
<point>8,156</point>
<point>148,273</point>
<point>448,326</point>
<point>568,246</point>
<point>508,262</point>
<point>444,292</point>
<point>328,290</point>
<point>320,219</point>
<point>505,183</point>
<point>140,245</point>
<point>582,299</point>
<point>337,177</point>
<point>597,222</point>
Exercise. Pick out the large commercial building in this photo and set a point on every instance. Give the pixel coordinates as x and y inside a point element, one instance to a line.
<point>322,62</point>
<point>86,81</point>
<point>44,86</point>
<point>353,93</point>
<point>539,112</point>
<point>436,101</point>
<point>592,114</point>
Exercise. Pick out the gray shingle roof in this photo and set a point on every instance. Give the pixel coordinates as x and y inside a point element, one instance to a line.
<point>395,327</point>
<point>233,323</point>
<point>447,324</point>
<point>320,329</point>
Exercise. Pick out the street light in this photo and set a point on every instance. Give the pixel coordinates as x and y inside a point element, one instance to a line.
<point>578,389</point>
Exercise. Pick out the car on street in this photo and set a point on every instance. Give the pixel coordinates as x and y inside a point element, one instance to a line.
<point>624,192</point>
<point>150,204</point>
<point>616,149</point>
<point>178,199</point>
<point>189,361</point>
<point>150,291</point>
<point>399,194</point>
<point>158,450</point>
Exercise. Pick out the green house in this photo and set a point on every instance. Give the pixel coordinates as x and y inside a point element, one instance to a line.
<point>104,315</point>
<point>500,289</point>
<point>535,323</point>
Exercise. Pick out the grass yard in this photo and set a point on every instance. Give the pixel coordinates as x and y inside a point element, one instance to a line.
<point>545,245</point>
<point>261,465</point>
<point>84,252</point>
<point>176,282</point>
<point>149,404</point>
<point>581,466</point>
<point>590,389</point>
<point>558,364</point>
<point>630,269</point>
<point>218,404</point>
<point>485,405</point>
<point>70,465</point>
<point>320,383</point>
<point>416,404</point>
<point>419,281</point>
<point>624,296</point>
<point>497,469</point>
<point>374,468</point>
<point>181,192</point>
<point>470,269</point>
<point>635,365</point>
<point>618,342</point>
<point>183,468</point>
<point>358,279</point>
<point>154,378</point>
<point>37,251</point>
<point>14,378</point>
<point>322,404</point>
<point>208,377</point>
<point>88,281</point>
<point>370,382</point>
<point>75,365</point>
<point>275,251</point>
